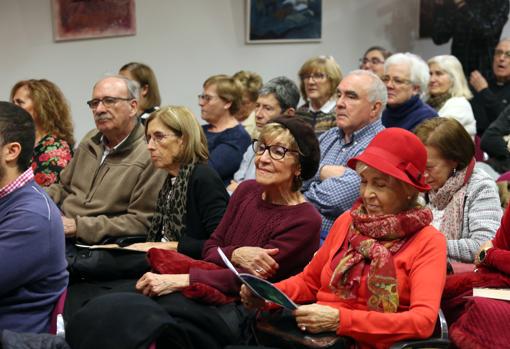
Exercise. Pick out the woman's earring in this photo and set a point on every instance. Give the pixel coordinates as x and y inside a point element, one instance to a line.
<point>454,171</point>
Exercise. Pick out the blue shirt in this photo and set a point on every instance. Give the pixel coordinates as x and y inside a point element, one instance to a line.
<point>335,195</point>
<point>247,169</point>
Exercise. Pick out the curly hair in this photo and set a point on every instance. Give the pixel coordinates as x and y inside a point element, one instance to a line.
<point>50,106</point>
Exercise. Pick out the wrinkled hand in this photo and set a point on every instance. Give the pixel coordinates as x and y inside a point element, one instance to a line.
<point>151,284</point>
<point>232,186</point>
<point>249,300</point>
<point>328,171</point>
<point>256,260</point>
<point>477,81</point>
<point>316,318</point>
<point>485,246</point>
<point>69,226</point>
<point>146,246</point>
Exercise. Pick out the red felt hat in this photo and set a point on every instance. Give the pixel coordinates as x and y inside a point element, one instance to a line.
<point>398,153</point>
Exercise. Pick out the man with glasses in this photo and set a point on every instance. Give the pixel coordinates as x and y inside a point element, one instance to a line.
<point>406,77</point>
<point>279,96</point>
<point>492,94</point>
<point>110,186</point>
<point>361,97</point>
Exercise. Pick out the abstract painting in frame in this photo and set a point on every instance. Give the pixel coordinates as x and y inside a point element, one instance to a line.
<point>86,19</point>
<point>283,21</point>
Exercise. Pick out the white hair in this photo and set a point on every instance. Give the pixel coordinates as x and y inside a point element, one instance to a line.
<point>418,69</point>
<point>376,90</point>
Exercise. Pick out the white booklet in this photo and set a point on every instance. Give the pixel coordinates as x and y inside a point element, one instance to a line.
<point>496,293</point>
<point>260,287</point>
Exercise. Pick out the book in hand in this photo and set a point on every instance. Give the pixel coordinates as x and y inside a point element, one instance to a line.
<point>496,293</point>
<point>260,287</point>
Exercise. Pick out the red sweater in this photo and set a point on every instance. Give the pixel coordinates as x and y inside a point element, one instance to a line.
<point>250,221</point>
<point>421,270</point>
<point>499,256</point>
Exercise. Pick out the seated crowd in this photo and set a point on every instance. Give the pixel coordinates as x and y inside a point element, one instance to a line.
<point>356,202</point>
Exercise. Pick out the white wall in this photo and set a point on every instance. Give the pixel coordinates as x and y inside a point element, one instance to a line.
<point>185,41</point>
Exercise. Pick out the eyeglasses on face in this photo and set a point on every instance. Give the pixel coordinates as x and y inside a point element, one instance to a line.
<point>396,80</point>
<point>498,53</point>
<point>276,152</point>
<point>314,76</point>
<point>157,137</point>
<point>206,98</point>
<point>108,101</point>
<point>374,61</point>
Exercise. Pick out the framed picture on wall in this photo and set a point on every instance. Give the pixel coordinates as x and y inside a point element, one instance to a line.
<point>270,21</point>
<point>73,20</point>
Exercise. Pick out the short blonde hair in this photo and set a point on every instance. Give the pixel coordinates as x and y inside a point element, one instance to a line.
<point>184,124</point>
<point>252,82</point>
<point>228,89</point>
<point>321,64</point>
<point>451,66</point>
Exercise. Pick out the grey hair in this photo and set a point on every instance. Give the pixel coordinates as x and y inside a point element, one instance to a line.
<point>419,70</point>
<point>284,90</point>
<point>132,86</point>
<point>376,90</point>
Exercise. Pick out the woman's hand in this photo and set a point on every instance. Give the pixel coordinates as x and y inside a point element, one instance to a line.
<point>249,300</point>
<point>256,260</point>
<point>146,246</point>
<point>316,318</point>
<point>151,284</point>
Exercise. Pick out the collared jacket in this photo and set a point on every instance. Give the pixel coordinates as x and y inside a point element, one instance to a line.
<point>115,198</point>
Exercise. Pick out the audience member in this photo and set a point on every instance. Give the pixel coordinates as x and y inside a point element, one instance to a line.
<point>149,99</point>
<point>251,83</point>
<point>371,280</point>
<point>54,139</point>
<point>495,142</point>
<point>269,230</point>
<point>492,94</point>
<point>279,96</point>
<point>226,138</point>
<point>110,186</point>
<point>319,77</point>
<point>193,198</point>
<point>334,188</point>
<point>374,59</point>
<point>32,247</point>
<point>406,77</point>
<point>464,199</point>
<point>448,91</point>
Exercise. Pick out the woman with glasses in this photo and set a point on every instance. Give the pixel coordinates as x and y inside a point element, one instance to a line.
<point>54,140</point>
<point>193,198</point>
<point>227,139</point>
<point>268,230</point>
<point>374,59</point>
<point>464,199</point>
<point>406,76</point>
<point>319,78</point>
<point>448,91</point>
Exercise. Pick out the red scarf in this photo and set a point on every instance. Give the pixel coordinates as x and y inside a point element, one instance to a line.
<point>374,240</point>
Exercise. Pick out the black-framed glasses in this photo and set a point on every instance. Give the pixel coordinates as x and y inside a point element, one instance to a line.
<point>276,152</point>
<point>107,101</point>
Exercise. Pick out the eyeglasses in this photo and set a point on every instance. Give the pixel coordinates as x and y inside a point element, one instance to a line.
<point>374,61</point>
<point>276,152</point>
<point>158,137</point>
<point>206,98</point>
<point>396,81</point>
<point>108,102</point>
<point>314,76</point>
<point>498,53</point>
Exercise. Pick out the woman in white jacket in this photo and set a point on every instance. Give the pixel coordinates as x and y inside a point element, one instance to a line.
<point>449,92</point>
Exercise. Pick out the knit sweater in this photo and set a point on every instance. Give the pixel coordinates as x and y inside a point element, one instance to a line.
<point>407,115</point>
<point>251,221</point>
<point>32,255</point>
<point>481,217</point>
<point>420,267</point>
<point>459,109</point>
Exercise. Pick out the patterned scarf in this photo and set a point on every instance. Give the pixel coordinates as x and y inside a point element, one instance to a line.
<point>374,240</point>
<point>438,101</point>
<point>168,220</point>
<point>450,197</point>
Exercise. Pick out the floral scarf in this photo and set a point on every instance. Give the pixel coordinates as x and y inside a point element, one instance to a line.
<point>450,197</point>
<point>374,240</point>
<point>168,220</point>
<point>438,101</point>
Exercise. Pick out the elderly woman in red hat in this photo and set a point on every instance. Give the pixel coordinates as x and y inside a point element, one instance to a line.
<point>379,276</point>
